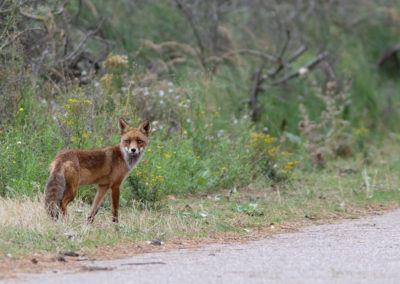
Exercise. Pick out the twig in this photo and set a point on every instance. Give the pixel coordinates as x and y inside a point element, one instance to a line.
<point>330,71</point>
<point>285,45</point>
<point>30,16</point>
<point>297,53</point>
<point>282,62</point>
<point>17,36</point>
<point>388,54</point>
<point>196,33</point>
<point>257,81</point>
<point>251,52</point>
<point>76,16</point>
<point>308,66</point>
<point>81,43</point>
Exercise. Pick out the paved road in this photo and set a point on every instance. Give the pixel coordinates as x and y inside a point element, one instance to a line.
<point>356,251</point>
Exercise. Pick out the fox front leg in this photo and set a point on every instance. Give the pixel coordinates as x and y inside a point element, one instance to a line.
<point>115,202</point>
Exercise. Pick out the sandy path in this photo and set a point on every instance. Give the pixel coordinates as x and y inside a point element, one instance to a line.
<point>355,251</point>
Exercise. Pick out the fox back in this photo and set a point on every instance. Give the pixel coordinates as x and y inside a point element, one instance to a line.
<point>105,167</point>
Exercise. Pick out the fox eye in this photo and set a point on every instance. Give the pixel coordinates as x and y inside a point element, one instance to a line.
<point>127,141</point>
<point>140,141</point>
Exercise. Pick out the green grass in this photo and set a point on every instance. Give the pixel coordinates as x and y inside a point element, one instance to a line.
<point>318,196</point>
<point>208,167</point>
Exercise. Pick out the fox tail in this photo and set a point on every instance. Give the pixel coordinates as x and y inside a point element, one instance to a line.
<point>54,193</point>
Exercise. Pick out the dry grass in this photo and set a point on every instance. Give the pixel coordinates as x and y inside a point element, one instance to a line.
<point>340,191</point>
<point>27,229</point>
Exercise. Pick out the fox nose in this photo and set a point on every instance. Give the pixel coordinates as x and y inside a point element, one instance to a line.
<point>133,150</point>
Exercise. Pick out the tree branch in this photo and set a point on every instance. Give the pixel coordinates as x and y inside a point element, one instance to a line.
<point>81,43</point>
<point>251,52</point>
<point>257,81</point>
<point>196,33</point>
<point>308,66</point>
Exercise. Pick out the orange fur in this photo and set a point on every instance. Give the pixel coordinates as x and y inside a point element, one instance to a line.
<point>105,167</point>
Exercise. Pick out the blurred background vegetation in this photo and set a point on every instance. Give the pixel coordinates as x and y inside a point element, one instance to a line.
<point>238,91</point>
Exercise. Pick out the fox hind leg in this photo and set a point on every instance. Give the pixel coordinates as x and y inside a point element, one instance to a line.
<point>69,195</point>
<point>72,182</point>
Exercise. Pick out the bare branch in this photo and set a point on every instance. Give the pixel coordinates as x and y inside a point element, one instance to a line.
<point>285,45</point>
<point>196,32</point>
<point>308,66</point>
<point>257,81</point>
<point>81,43</point>
<point>17,35</point>
<point>389,53</point>
<point>31,16</point>
<point>251,52</point>
<point>330,71</point>
<point>297,53</point>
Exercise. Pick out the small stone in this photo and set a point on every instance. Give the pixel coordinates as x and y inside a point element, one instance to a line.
<point>70,253</point>
<point>61,259</point>
<point>156,242</point>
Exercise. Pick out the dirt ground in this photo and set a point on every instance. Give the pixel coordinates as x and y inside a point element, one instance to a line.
<point>364,250</point>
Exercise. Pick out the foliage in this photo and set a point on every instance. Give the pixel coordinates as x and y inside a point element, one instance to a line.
<point>69,91</point>
<point>329,134</point>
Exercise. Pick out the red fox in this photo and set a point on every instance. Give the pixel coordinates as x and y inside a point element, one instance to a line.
<point>106,167</point>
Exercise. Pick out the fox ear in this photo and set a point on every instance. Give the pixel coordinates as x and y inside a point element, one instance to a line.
<point>145,127</point>
<point>122,125</point>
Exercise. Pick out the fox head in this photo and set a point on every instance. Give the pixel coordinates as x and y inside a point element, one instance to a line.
<point>134,140</point>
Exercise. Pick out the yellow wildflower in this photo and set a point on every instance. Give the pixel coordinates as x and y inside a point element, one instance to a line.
<point>167,156</point>
<point>360,131</point>
<point>21,109</point>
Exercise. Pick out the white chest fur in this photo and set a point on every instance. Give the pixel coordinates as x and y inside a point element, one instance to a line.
<point>132,160</point>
